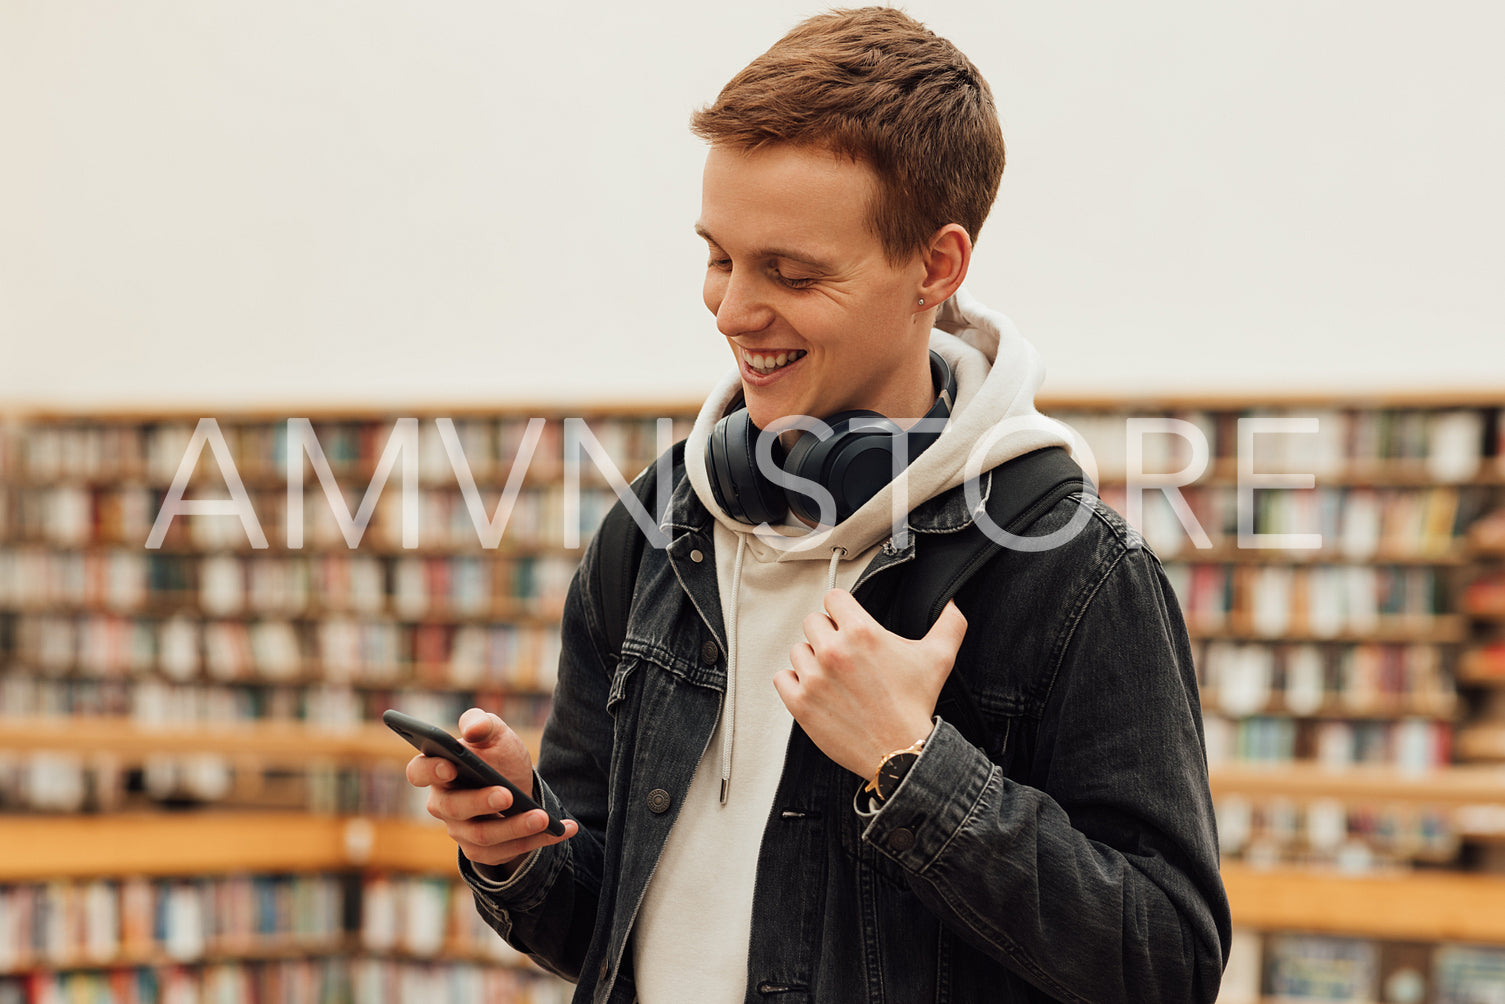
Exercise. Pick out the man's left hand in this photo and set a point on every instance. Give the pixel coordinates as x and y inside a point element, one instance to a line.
<point>860,691</point>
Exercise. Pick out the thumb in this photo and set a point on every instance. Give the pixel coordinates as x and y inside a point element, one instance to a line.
<point>949,628</point>
<point>480,728</point>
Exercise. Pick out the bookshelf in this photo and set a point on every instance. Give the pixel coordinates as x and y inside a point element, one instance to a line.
<point>201,711</point>
<point>188,728</point>
<point>1482,667</point>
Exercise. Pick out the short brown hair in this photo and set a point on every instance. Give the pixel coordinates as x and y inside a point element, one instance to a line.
<point>877,86</point>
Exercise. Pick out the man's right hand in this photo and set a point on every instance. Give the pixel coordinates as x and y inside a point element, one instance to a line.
<point>470,814</point>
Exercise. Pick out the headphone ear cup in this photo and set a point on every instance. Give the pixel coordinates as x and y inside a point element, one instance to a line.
<point>737,484</point>
<point>853,463</point>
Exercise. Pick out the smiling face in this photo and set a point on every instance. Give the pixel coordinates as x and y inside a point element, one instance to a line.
<point>816,316</point>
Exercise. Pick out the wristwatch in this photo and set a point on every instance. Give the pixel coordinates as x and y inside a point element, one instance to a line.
<point>891,770</point>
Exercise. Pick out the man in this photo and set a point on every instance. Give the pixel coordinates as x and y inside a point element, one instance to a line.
<point>764,801</point>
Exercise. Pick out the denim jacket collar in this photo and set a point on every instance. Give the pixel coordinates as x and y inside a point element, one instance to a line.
<point>947,512</point>
<point>689,527</point>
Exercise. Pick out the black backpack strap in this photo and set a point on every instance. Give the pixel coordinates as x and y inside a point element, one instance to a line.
<point>1023,489</point>
<point>621,552</point>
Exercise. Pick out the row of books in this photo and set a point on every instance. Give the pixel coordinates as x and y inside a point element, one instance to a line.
<point>1325,601</point>
<point>1265,601</point>
<point>160,703</point>
<point>63,783</point>
<point>378,981</point>
<point>222,584</point>
<point>99,923</point>
<point>122,578</point>
<point>1413,744</point>
<point>1337,970</point>
<point>337,649</point>
<point>1452,443</point>
<point>425,915</point>
<point>1298,438</point>
<point>1351,523</point>
<point>67,923</point>
<point>1330,834</point>
<point>153,701</point>
<point>489,448</point>
<point>1308,679</point>
<point>366,980</point>
<point>548,515</point>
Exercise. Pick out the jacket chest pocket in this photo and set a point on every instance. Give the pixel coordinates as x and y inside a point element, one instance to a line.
<point>658,710</point>
<point>621,682</point>
<point>993,727</point>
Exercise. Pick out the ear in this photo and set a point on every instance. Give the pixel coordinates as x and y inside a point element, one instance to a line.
<point>945,260</point>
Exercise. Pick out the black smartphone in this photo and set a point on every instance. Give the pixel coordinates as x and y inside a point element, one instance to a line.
<point>473,772</point>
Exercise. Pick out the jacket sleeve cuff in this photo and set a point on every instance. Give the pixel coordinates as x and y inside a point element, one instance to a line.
<point>527,886</point>
<point>932,802</point>
<point>494,880</point>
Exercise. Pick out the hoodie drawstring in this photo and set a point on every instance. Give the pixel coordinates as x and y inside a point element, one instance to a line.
<point>729,705</point>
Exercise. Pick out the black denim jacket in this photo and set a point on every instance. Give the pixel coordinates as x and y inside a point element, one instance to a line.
<point>1069,855</point>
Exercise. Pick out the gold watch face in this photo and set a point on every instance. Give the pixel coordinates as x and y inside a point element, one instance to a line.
<point>893,771</point>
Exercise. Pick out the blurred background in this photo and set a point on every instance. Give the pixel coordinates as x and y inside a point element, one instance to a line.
<point>483,212</point>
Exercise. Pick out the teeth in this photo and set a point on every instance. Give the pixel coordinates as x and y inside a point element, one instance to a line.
<point>767,363</point>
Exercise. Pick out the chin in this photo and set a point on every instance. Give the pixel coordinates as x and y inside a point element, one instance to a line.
<point>762,412</point>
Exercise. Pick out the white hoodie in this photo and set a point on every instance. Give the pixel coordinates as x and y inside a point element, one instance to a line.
<point>691,937</point>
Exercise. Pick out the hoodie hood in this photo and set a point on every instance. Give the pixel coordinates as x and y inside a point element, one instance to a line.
<point>994,419</point>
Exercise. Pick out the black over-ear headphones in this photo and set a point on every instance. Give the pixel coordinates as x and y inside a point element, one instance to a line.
<point>852,464</point>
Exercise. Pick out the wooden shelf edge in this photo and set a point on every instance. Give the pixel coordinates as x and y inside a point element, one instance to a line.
<point>1437,629</point>
<point>1484,741</point>
<point>167,844</point>
<point>262,410</point>
<point>1385,707</point>
<point>518,615</point>
<point>1417,905</point>
<point>269,948</point>
<point>273,412</point>
<point>1408,906</point>
<point>162,845</point>
<point>1458,785</point>
<point>429,677</point>
<point>1308,559</point>
<point>268,741</point>
<point>402,845</point>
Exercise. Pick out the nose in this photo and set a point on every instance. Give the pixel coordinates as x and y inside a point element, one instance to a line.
<point>737,302</point>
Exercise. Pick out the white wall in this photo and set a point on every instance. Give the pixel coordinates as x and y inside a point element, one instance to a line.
<point>216,203</point>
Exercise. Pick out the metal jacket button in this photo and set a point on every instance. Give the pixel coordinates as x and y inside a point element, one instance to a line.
<point>709,652</point>
<point>901,840</point>
<point>696,556</point>
<point>658,800</point>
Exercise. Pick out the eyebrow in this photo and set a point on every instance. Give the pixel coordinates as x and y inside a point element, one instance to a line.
<point>772,252</point>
